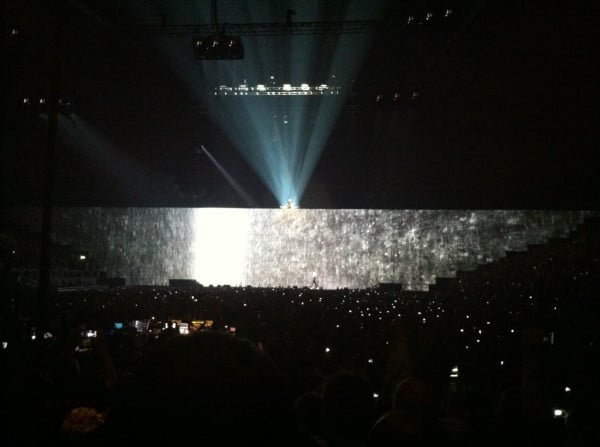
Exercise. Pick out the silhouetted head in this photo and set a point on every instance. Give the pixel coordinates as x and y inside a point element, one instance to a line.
<point>205,387</point>
<point>308,412</point>
<point>415,396</point>
<point>396,429</point>
<point>413,421</point>
<point>347,407</point>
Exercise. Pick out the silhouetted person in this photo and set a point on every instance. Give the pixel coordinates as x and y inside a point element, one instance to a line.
<point>308,415</point>
<point>413,420</point>
<point>347,410</point>
<point>206,387</point>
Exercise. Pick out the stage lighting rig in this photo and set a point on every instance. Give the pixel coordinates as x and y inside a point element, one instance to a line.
<point>216,44</point>
<point>289,205</point>
<point>218,47</point>
<point>277,90</point>
<point>40,105</point>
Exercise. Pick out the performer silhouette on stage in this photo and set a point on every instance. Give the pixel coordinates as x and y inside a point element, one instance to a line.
<point>314,284</point>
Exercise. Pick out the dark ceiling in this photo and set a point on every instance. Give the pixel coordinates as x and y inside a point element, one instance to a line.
<point>497,108</point>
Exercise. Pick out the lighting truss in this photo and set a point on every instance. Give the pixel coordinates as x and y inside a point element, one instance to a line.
<point>304,28</point>
<point>277,90</point>
<point>262,29</point>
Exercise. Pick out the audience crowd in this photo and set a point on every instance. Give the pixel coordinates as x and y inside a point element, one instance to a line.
<point>503,354</point>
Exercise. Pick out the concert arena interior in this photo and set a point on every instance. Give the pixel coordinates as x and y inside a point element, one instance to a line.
<point>300,223</point>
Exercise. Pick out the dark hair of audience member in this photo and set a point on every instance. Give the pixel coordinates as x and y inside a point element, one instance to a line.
<point>205,387</point>
<point>347,406</point>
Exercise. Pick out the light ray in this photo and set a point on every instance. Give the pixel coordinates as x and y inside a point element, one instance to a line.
<point>281,131</point>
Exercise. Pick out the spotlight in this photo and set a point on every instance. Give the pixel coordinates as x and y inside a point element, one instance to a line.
<point>560,413</point>
<point>64,106</point>
<point>42,105</point>
<point>290,205</point>
<point>272,89</point>
<point>218,47</point>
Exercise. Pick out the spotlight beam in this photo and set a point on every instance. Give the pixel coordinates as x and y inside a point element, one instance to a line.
<point>278,105</point>
<point>135,180</point>
<point>234,184</point>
